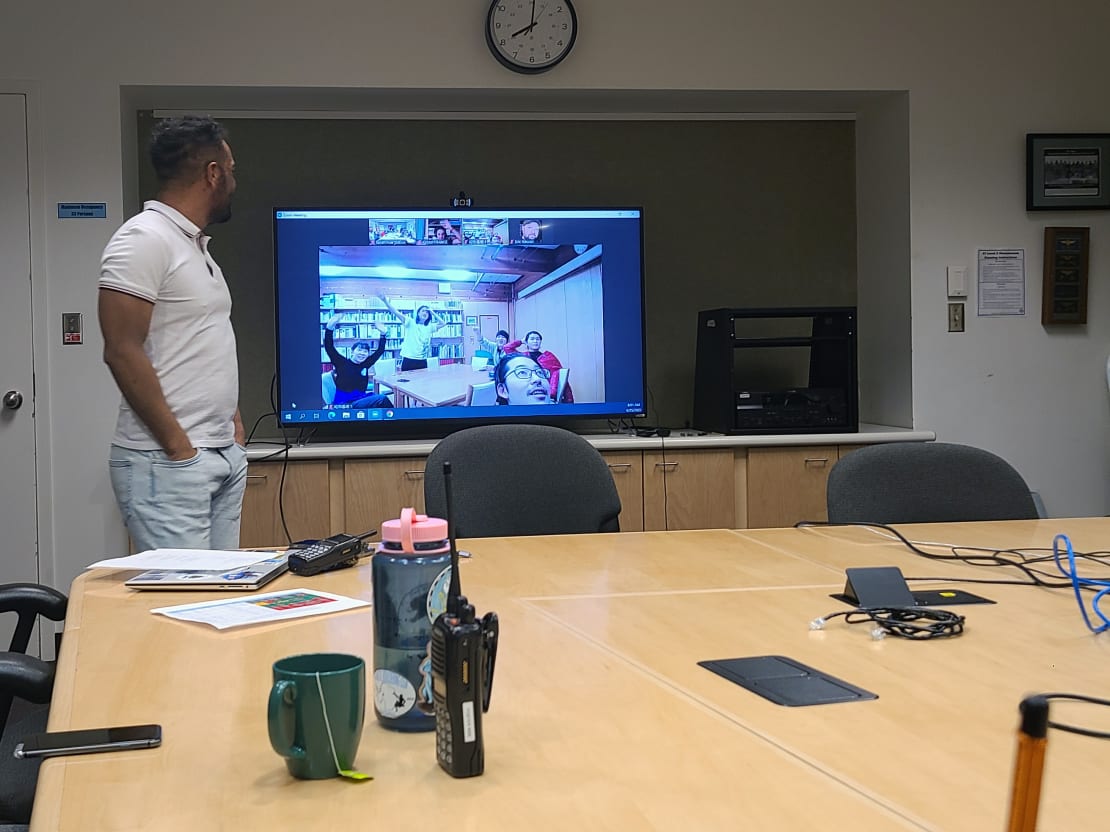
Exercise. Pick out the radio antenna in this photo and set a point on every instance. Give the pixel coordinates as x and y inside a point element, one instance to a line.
<point>455,600</point>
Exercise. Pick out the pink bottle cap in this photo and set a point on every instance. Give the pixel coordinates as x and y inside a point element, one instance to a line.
<point>415,533</point>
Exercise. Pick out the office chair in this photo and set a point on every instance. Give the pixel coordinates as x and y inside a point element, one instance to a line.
<point>561,390</point>
<point>28,679</point>
<point>327,387</point>
<point>384,367</point>
<point>522,480</point>
<point>481,394</point>
<point>926,482</point>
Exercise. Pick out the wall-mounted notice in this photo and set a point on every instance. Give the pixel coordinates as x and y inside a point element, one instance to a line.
<point>1001,281</point>
<point>82,210</point>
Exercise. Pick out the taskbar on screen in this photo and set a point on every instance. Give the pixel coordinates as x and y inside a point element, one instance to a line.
<point>329,416</point>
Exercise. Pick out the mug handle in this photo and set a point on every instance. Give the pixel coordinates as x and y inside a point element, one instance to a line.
<point>281,717</point>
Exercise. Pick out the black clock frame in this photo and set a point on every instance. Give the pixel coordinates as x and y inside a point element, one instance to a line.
<point>522,68</point>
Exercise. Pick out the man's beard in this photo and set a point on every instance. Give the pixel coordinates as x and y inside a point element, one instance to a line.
<point>221,214</point>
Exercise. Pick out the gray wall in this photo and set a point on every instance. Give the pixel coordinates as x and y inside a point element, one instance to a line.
<point>737,212</point>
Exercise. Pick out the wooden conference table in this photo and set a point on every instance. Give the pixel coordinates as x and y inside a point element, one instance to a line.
<point>434,386</point>
<point>600,717</point>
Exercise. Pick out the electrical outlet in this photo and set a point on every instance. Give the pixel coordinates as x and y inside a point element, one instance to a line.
<point>955,317</point>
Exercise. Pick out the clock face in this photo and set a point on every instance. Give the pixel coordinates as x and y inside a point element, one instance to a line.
<point>394,695</point>
<point>531,35</point>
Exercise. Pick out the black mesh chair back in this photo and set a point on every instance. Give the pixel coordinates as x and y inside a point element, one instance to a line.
<point>26,684</point>
<point>510,480</point>
<point>926,482</point>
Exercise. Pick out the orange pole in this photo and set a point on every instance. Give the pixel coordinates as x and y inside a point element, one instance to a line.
<point>1025,797</point>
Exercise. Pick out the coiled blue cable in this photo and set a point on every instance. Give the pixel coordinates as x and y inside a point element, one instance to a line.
<point>1077,583</point>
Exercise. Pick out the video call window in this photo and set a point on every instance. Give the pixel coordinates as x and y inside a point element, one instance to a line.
<point>391,315</point>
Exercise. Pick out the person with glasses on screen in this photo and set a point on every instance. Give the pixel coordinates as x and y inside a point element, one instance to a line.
<point>351,374</point>
<point>519,379</point>
<point>546,359</point>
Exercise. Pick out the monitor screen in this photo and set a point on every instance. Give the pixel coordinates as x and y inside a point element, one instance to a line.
<point>428,319</point>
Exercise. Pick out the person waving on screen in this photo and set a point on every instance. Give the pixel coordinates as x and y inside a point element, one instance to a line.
<point>351,373</point>
<point>419,329</point>
<point>546,359</point>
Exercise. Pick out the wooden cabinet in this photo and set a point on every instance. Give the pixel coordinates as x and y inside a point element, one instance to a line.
<point>375,490</point>
<point>627,468</point>
<point>693,489</point>
<point>305,498</point>
<point>786,485</point>
<point>673,489</point>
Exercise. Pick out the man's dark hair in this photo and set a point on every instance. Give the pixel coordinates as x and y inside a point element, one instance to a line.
<point>502,332</point>
<point>178,145</point>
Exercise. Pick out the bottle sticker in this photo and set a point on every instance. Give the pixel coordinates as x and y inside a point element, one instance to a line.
<point>394,695</point>
<point>424,699</point>
<point>437,594</point>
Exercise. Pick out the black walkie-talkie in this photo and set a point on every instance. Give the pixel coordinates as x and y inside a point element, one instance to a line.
<point>463,651</point>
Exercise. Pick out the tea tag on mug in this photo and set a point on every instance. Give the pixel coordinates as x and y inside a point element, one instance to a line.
<point>349,773</point>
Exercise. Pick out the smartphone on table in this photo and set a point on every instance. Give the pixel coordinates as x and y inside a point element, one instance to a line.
<point>89,741</point>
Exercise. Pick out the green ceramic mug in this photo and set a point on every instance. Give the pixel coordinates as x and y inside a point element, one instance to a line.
<point>316,711</point>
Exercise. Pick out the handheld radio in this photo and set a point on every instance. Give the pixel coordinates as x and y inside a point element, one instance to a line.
<point>463,650</point>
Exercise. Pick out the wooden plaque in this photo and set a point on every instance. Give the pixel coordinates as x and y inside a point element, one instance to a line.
<point>1066,254</point>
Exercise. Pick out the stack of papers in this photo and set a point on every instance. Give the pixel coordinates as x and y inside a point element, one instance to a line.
<point>262,609</point>
<point>200,560</point>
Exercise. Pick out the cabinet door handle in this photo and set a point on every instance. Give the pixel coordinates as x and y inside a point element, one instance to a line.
<point>414,474</point>
<point>256,477</point>
<point>666,465</point>
<point>624,466</point>
<point>817,460</point>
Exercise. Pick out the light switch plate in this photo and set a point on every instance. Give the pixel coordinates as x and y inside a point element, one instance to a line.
<point>957,281</point>
<point>955,317</point>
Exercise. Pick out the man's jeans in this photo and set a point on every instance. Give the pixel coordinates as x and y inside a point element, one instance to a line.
<point>192,504</point>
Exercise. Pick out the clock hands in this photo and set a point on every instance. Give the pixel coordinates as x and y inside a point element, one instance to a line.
<point>531,25</point>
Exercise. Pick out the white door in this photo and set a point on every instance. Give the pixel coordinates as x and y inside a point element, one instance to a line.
<point>18,502</point>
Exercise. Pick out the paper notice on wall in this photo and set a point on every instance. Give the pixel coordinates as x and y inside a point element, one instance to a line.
<point>1001,281</point>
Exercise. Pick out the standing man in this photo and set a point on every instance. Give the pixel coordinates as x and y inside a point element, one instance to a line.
<point>177,462</point>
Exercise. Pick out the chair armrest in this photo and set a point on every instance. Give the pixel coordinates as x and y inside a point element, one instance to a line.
<point>33,598</point>
<point>26,677</point>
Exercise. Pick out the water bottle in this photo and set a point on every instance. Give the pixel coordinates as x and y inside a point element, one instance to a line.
<point>411,571</point>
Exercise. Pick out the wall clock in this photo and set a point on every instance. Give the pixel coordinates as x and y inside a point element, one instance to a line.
<point>531,36</point>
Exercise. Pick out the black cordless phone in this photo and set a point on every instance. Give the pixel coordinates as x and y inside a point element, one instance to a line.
<point>335,552</point>
<point>463,650</point>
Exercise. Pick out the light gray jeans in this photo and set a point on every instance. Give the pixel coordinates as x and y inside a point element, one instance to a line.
<point>192,504</point>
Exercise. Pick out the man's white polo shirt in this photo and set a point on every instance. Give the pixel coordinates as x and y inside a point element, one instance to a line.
<point>161,256</point>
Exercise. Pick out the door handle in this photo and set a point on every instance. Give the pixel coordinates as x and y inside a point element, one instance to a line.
<point>13,400</point>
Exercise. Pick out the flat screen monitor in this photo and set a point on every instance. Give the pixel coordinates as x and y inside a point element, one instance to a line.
<point>419,321</point>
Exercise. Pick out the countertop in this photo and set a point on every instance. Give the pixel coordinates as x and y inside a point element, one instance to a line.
<point>678,440</point>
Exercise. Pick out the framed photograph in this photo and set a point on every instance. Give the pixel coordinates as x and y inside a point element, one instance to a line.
<point>472,320</point>
<point>1064,295</point>
<point>1067,171</point>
